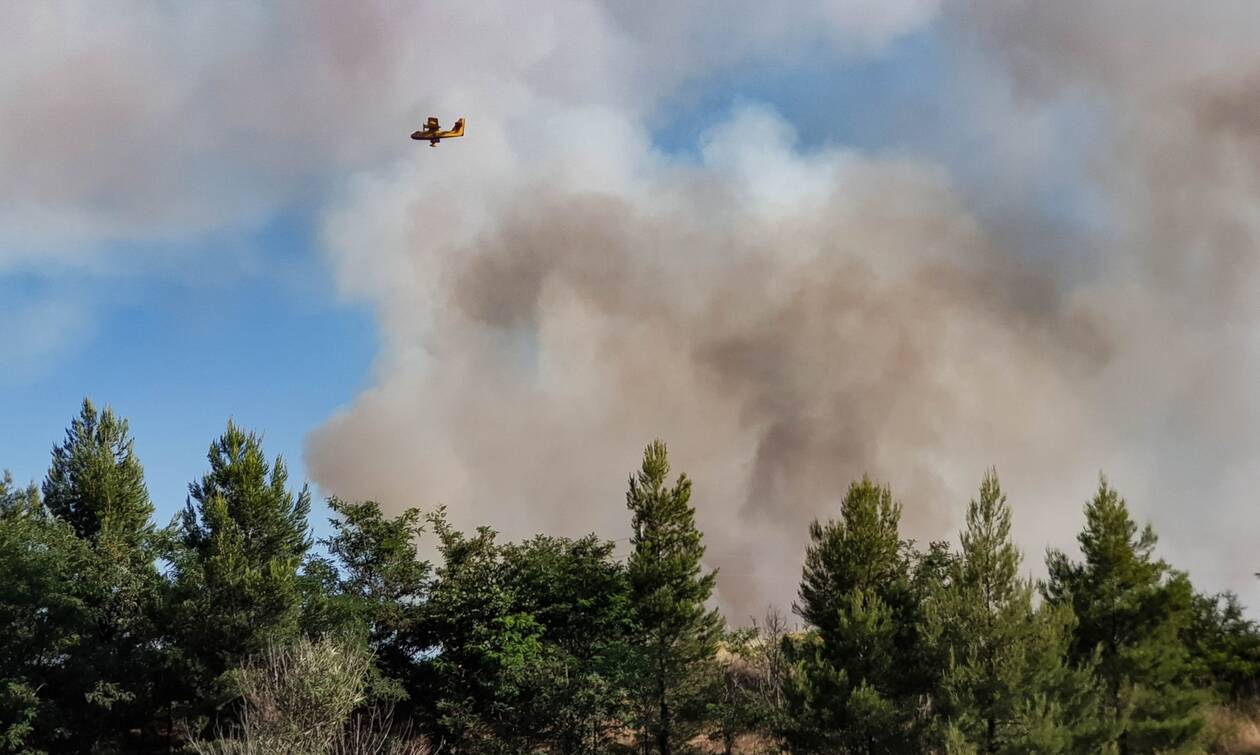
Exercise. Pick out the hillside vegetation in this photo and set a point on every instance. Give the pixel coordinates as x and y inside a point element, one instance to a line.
<point>230,630</point>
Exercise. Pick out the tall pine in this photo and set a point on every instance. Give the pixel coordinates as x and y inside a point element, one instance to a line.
<point>1008,686</point>
<point>244,535</point>
<point>95,484</point>
<point>854,687</point>
<point>677,635</point>
<point>1131,610</point>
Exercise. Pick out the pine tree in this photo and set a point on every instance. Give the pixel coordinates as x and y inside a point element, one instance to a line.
<point>1008,687</point>
<point>96,484</point>
<point>1131,609</point>
<point>1225,647</point>
<point>678,635</point>
<point>45,620</point>
<point>17,502</point>
<point>243,537</point>
<point>855,684</point>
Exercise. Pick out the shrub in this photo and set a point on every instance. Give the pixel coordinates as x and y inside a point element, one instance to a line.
<point>311,698</point>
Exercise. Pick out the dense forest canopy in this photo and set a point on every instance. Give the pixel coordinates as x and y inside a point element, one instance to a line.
<point>231,630</point>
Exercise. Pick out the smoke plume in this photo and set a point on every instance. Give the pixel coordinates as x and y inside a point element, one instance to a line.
<point>789,319</point>
<point>1055,277</point>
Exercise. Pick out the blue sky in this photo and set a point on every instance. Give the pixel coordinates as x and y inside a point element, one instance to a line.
<point>873,102</point>
<point>179,355</point>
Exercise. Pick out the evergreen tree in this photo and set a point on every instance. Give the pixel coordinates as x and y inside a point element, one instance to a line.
<point>1008,687</point>
<point>678,635</point>
<point>855,686</point>
<point>1131,610</point>
<point>243,537</point>
<point>96,484</point>
<point>17,502</point>
<point>1224,647</point>
<point>552,645</point>
<point>45,620</point>
<point>379,582</point>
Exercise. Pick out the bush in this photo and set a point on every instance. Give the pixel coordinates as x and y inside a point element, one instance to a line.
<point>311,698</point>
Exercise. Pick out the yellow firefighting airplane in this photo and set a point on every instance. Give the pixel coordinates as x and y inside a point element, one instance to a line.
<point>433,134</point>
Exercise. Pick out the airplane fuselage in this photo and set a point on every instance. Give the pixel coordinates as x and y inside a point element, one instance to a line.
<point>433,134</point>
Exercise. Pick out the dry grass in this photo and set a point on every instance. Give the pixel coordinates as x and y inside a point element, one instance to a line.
<point>745,744</point>
<point>1235,730</point>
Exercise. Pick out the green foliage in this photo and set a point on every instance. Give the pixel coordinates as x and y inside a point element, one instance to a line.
<point>1224,647</point>
<point>529,640</point>
<point>467,598</point>
<point>676,634</point>
<point>1008,686</point>
<point>862,551</point>
<point>236,589</point>
<point>304,698</point>
<point>733,705</point>
<point>856,681</point>
<point>305,691</point>
<point>96,483</point>
<point>16,503</point>
<point>554,645</point>
<point>45,619</point>
<point>84,554</point>
<point>374,581</point>
<point>20,706</point>
<point>579,598</point>
<point>1131,610</point>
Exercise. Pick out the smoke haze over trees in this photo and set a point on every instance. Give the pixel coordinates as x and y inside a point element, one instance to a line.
<point>230,631</point>
<point>844,258</point>
<point>1054,229</point>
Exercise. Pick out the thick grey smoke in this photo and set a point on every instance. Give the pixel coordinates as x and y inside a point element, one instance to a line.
<point>1074,295</point>
<point>783,353</point>
<point>789,320</point>
<point>1172,268</point>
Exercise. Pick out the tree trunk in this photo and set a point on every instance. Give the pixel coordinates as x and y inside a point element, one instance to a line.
<point>663,726</point>
<point>662,733</point>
